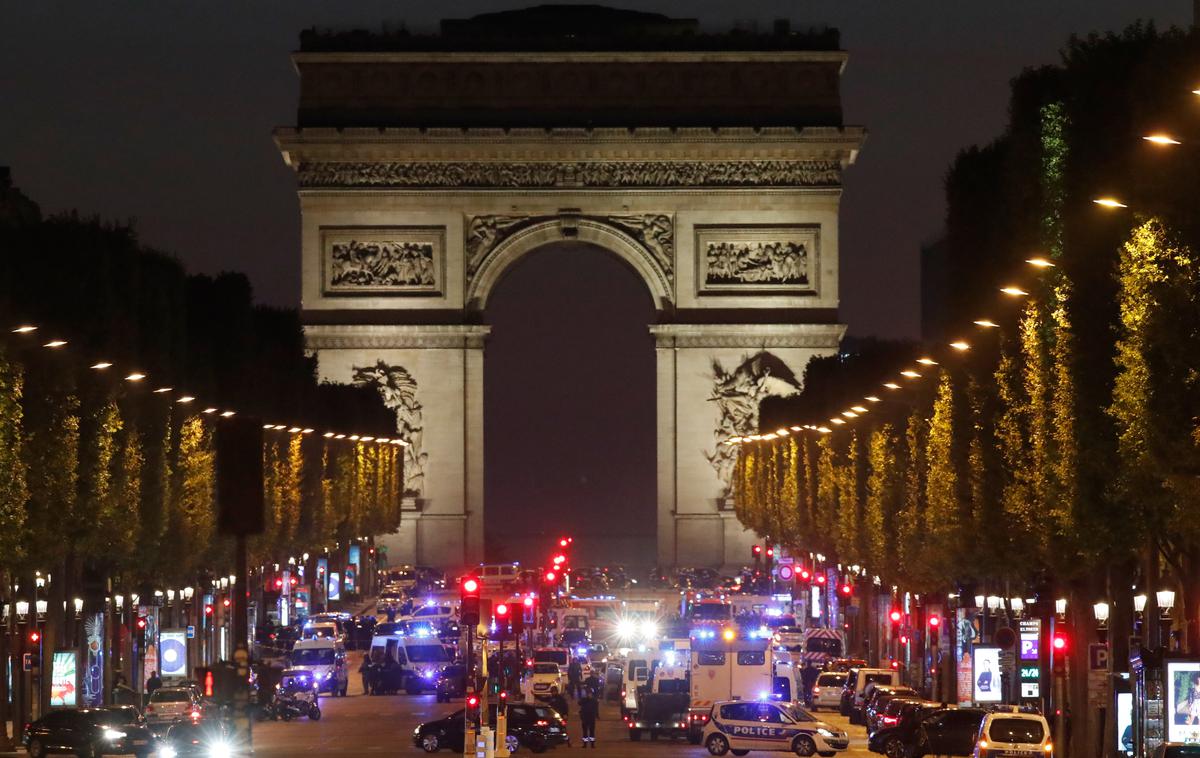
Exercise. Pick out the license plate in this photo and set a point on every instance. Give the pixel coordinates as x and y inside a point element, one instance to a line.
<point>1018,753</point>
<point>139,742</point>
<point>553,729</point>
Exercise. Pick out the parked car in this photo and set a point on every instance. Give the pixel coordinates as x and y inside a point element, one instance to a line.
<point>893,740</point>
<point>1003,733</point>
<point>892,711</point>
<point>169,704</point>
<point>827,692</point>
<point>879,697</point>
<point>546,679</point>
<point>532,726</point>
<point>947,732</point>
<point>745,725</point>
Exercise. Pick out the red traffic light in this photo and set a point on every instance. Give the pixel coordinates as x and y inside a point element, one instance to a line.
<point>560,559</point>
<point>757,549</point>
<point>501,610</point>
<point>279,583</point>
<point>935,622</point>
<point>208,610</point>
<point>1060,642</point>
<point>208,683</point>
<point>805,575</point>
<point>470,585</point>
<point>35,636</point>
<point>551,576</point>
<point>563,542</point>
<point>472,701</point>
<point>503,695</point>
<point>293,581</point>
<point>904,639</point>
<point>847,589</point>
<point>896,616</point>
<point>895,664</point>
<point>141,622</point>
<point>770,552</point>
<point>225,602</point>
<point>820,578</point>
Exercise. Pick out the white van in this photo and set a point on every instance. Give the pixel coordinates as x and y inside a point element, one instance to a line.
<point>433,613</point>
<point>325,659</point>
<point>496,576</point>
<point>827,690</point>
<point>426,659</point>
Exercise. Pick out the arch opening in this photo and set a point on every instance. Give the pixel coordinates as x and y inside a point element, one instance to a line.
<point>570,407</point>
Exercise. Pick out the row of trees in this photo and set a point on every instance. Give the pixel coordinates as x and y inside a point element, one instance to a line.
<point>103,479</point>
<point>1063,448</point>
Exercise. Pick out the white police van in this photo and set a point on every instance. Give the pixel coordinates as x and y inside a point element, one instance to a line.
<point>742,725</point>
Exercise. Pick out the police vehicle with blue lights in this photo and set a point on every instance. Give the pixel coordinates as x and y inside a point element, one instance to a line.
<point>744,725</point>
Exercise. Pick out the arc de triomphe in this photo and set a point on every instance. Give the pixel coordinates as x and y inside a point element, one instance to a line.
<point>710,164</point>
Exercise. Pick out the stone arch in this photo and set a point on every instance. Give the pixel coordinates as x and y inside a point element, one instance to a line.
<point>598,232</point>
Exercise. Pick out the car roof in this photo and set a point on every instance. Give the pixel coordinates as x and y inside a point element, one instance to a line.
<point>1018,715</point>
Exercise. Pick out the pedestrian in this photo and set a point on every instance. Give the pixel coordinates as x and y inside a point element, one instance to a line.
<point>153,683</point>
<point>589,711</point>
<point>808,678</point>
<point>364,671</point>
<point>574,677</point>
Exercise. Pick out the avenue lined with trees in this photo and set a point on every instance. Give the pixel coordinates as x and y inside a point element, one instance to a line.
<point>1052,446</point>
<point>107,483</point>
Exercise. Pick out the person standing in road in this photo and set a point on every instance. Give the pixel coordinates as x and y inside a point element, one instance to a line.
<point>808,678</point>
<point>574,677</point>
<point>153,683</point>
<point>589,711</point>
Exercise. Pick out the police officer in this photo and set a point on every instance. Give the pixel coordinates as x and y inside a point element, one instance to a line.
<point>589,711</point>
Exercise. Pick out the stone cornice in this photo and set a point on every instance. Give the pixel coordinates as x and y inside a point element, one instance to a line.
<point>648,144</point>
<point>748,335</point>
<point>650,56</point>
<point>347,337</point>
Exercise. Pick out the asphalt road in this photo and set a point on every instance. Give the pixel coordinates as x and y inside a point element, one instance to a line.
<point>361,725</point>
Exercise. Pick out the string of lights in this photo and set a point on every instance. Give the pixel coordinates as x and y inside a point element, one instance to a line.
<point>959,346</point>
<point>137,377</point>
<point>906,376</point>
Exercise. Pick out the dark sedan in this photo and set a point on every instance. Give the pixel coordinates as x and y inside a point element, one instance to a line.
<point>893,739</point>
<point>89,732</point>
<point>535,727</point>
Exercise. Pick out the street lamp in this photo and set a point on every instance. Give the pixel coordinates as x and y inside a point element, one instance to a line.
<point>22,610</point>
<point>1139,603</point>
<point>1060,606</point>
<point>1100,610</point>
<point>1166,600</point>
<point>78,602</point>
<point>188,592</point>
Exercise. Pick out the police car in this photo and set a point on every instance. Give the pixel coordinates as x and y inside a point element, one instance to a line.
<point>743,725</point>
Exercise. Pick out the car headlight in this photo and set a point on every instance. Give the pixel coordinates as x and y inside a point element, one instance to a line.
<point>166,751</point>
<point>220,750</point>
<point>113,734</point>
<point>824,732</point>
<point>417,732</point>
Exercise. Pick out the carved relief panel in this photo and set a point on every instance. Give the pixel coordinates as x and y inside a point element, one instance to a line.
<point>403,260</point>
<point>757,259</point>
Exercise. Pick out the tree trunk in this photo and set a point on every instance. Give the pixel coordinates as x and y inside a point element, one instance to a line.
<point>6,743</point>
<point>1188,603</point>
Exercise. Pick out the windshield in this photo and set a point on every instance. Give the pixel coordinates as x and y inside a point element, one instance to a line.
<point>798,714</point>
<point>426,653</point>
<point>322,656</point>
<point>551,656</point>
<point>876,678</point>
<point>827,645</point>
<point>170,696</point>
<point>545,668</point>
<point>831,680</point>
<point>1016,730</point>
<point>712,611</point>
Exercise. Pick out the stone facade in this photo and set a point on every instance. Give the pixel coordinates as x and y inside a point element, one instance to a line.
<point>734,231</point>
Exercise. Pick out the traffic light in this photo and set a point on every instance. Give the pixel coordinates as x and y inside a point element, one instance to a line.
<point>847,589</point>
<point>472,711</point>
<point>821,578</point>
<point>141,625</point>
<point>208,610</point>
<point>551,577</point>
<point>896,615</point>
<point>563,542</point>
<point>469,611</point>
<point>804,574</point>
<point>935,622</point>
<point>35,637</point>
<point>502,616</point>
<point>756,551</point>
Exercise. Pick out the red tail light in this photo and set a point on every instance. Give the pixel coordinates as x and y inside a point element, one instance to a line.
<point>541,722</point>
<point>149,708</point>
<point>890,719</point>
<point>816,690</point>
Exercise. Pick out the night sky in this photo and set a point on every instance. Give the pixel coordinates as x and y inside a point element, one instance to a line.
<point>163,112</point>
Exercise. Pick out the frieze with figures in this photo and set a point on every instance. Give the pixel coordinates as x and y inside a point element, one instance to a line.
<point>399,260</point>
<point>753,258</point>
<point>749,173</point>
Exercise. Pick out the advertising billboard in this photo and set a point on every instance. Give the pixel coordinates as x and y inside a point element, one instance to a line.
<point>63,667</point>
<point>1124,723</point>
<point>172,653</point>
<point>1183,701</point>
<point>985,674</point>
<point>335,586</point>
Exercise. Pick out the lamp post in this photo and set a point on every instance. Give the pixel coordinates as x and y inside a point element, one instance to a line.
<point>1166,601</point>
